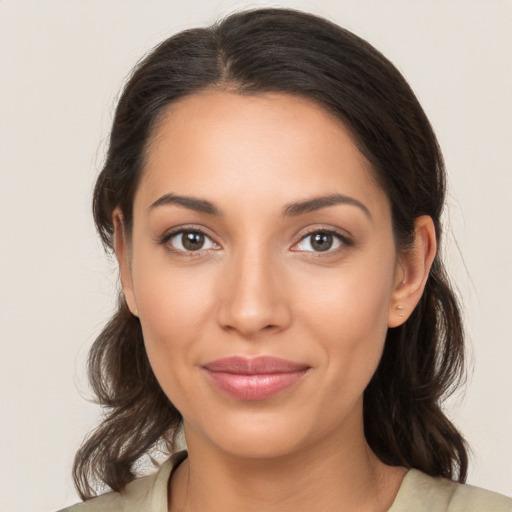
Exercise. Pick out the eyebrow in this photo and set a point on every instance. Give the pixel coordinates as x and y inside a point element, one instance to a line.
<point>310,205</point>
<point>290,210</point>
<point>192,203</point>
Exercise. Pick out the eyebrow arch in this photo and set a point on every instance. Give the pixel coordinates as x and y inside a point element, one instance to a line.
<point>199,205</point>
<point>290,210</point>
<point>310,205</point>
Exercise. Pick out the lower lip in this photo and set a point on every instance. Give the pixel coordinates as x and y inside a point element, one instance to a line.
<point>254,387</point>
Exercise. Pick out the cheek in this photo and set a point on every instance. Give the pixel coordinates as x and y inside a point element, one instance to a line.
<point>172,300</point>
<point>347,312</point>
<point>353,298</point>
<point>175,309</point>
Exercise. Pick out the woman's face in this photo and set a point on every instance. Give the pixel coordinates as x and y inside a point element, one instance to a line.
<point>263,269</point>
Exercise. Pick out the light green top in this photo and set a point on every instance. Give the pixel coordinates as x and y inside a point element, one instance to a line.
<point>418,493</point>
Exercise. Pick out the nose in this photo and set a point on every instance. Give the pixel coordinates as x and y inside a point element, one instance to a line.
<point>252,298</point>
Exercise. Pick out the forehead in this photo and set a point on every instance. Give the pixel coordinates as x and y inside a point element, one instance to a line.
<point>275,146</point>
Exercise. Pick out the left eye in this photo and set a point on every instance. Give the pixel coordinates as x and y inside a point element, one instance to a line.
<point>320,241</point>
<point>191,241</point>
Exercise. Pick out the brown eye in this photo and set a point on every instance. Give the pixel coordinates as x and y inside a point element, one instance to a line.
<point>190,241</point>
<point>321,241</point>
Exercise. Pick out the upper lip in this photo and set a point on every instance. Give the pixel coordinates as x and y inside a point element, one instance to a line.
<point>254,366</point>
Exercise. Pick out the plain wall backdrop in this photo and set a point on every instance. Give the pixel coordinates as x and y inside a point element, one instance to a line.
<point>62,64</point>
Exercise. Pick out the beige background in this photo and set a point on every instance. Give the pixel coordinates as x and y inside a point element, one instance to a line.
<point>62,63</point>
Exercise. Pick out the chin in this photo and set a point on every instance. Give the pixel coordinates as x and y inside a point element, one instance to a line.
<point>263,447</point>
<point>256,436</point>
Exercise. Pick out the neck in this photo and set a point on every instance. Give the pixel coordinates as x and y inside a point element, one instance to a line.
<point>318,478</point>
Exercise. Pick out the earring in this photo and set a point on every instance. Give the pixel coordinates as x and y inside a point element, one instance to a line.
<point>400,309</point>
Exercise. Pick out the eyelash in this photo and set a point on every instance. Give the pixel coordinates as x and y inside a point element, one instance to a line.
<point>164,240</point>
<point>344,241</point>
<point>171,234</point>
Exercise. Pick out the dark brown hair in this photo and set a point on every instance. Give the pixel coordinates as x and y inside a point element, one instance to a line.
<point>280,50</point>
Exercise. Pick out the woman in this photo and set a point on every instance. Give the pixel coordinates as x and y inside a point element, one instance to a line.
<point>273,193</point>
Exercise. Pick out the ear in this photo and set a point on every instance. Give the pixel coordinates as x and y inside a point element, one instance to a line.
<point>122,251</point>
<point>413,269</point>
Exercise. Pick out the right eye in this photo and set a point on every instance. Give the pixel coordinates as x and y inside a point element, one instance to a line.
<point>189,241</point>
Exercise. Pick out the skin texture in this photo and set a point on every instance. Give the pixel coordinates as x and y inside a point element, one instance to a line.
<point>258,287</point>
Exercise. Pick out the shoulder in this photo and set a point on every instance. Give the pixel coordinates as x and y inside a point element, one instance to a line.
<point>137,492</point>
<point>110,502</point>
<point>148,493</point>
<point>424,493</point>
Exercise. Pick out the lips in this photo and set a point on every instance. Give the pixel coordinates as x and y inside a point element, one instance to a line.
<point>254,379</point>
